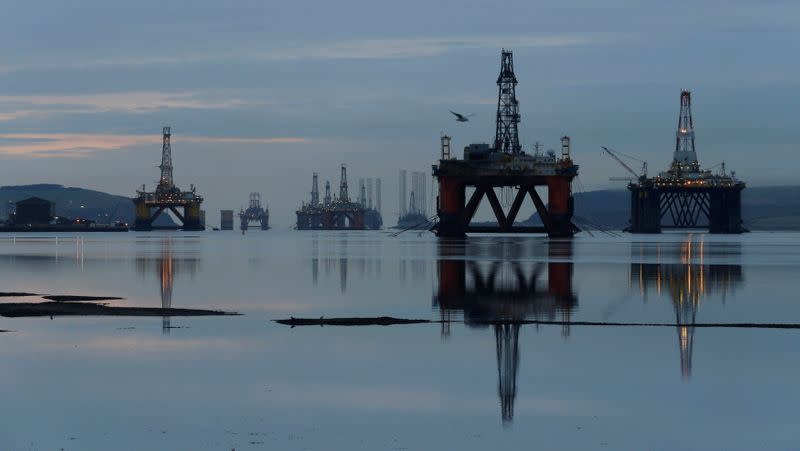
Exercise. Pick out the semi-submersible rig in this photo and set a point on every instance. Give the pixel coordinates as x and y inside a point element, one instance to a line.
<point>686,196</point>
<point>255,215</point>
<point>167,196</point>
<point>505,165</point>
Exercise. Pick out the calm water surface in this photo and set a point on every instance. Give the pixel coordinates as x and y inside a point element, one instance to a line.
<point>245,382</point>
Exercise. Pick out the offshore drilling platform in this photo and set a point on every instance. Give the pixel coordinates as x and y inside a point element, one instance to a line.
<point>167,196</point>
<point>505,165</point>
<point>692,197</point>
<point>340,213</point>
<point>254,215</point>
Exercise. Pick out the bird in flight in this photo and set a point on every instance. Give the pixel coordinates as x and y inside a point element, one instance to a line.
<point>461,117</point>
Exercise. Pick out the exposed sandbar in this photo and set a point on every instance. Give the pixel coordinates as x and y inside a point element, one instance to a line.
<point>19,310</point>
<point>72,298</point>
<point>388,321</point>
<point>376,321</point>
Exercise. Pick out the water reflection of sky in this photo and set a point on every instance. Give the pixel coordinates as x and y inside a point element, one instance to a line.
<point>218,383</point>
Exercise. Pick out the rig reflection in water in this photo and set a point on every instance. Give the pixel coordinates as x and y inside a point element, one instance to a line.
<point>333,258</point>
<point>500,283</point>
<point>686,282</point>
<point>502,290</point>
<point>171,258</point>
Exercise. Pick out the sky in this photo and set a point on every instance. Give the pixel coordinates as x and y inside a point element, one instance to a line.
<point>261,94</point>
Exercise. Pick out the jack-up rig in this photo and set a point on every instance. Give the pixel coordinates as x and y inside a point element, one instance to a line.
<point>505,165</point>
<point>692,197</point>
<point>149,206</point>
<point>254,213</point>
<point>340,213</point>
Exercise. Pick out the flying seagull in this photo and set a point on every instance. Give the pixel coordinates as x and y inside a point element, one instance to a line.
<point>461,117</point>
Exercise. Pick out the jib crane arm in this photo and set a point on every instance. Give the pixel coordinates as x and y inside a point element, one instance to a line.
<point>624,165</point>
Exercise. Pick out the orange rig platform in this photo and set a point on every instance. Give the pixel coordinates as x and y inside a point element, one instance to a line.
<point>505,165</point>
<point>150,205</point>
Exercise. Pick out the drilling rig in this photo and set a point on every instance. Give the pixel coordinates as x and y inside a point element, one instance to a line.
<point>167,196</point>
<point>686,196</point>
<point>254,213</point>
<point>505,165</point>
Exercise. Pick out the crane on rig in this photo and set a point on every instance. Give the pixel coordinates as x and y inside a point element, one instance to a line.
<point>636,176</point>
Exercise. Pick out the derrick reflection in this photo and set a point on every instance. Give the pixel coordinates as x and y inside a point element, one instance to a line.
<point>166,262</point>
<point>687,282</point>
<point>503,291</point>
<point>335,257</point>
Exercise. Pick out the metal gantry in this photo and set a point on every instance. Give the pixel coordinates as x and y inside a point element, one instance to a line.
<point>166,160</point>
<point>506,138</point>
<point>685,157</point>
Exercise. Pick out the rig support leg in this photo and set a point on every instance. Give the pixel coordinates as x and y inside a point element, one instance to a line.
<point>451,209</point>
<point>725,215</point>
<point>191,217</point>
<point>143,221</point>
<point>645,210</point>
<point>560,207</point>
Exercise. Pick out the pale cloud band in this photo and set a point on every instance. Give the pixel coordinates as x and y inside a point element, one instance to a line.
<point>348,49</point>
<point>73,145</point>
<point>19,106</point>
<point>415,47</point>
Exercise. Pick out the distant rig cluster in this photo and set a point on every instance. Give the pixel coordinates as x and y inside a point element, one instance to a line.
<point>340,212</point>
<point>685,196</point>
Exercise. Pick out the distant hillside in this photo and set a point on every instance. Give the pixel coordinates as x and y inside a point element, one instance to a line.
<point>771,208</point>
<point>763,208</point>
<point>74,202</point>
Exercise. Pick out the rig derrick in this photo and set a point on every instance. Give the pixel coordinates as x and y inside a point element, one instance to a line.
<point>167,196</point>
<point>505,165</point>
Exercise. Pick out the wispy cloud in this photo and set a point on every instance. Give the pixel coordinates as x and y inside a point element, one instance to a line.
<point>349,49</point>
<point>416,47</point>
<point>14,115</point>
<point>75,145</point>
<point>17,106</point>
